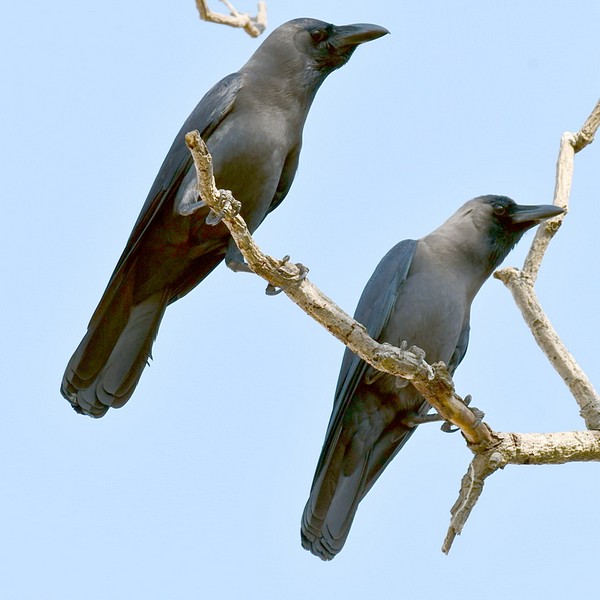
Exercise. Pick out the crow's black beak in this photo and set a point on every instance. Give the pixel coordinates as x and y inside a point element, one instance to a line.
<point>532,215</point>
<point>347,36</point>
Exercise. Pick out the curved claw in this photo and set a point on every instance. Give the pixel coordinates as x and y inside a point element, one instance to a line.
<point>213,218</point>
<point>272,290</point>
<point>303,272</point>
<point>479,414</point>
<point>448,427</point>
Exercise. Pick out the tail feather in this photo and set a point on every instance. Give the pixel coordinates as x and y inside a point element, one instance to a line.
<point>109,361</point>
<point>330,510</point>
<point>105,328</point>
<point>337,490</point>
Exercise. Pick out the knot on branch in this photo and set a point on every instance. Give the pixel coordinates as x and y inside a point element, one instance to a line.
<point>554,225</point>
<point>443,381</point>
<point>582,139</point>
<point>497,460</point>
<point>508,274</point>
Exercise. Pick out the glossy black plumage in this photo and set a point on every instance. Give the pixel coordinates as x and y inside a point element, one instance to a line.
<point>421,292</point>
<point>252,122</point>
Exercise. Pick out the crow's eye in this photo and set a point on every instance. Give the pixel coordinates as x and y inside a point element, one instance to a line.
<point>499,210</point>
<point>318,35</point>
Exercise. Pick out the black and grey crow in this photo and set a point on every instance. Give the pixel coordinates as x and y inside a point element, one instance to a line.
<point>252,122</point>
<point>421,292</point>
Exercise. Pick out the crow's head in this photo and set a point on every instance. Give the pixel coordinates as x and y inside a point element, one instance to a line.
<point>307,50</point>
<point>330,46</point>
<point>505,221</point>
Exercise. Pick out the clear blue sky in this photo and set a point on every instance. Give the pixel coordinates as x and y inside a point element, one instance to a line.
<point>195,488</point>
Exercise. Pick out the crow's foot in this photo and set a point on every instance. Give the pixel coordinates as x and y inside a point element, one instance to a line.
<point>294,280</point>
<point>229,204</point>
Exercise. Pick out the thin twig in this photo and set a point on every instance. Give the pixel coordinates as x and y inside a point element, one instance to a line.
<point>586,134</point>
<point>569,144</point>
<point>253,26</point>
<point>562,191</point>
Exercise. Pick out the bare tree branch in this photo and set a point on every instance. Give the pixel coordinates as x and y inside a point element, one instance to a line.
<point>546,337</point>
<point>517,449</point>
<point>570,143</point>
<point>586,134</point>
<point>253,26</point>
<point>492,450</point>
<point>521,283</point>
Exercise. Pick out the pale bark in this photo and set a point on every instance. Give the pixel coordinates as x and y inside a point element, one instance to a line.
<point>517,449</point>
<point>253,26</point>
<point>521,282</point>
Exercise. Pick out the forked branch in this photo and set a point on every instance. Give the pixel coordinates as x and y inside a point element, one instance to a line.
<point>253,26</point>
<point>521,282</point>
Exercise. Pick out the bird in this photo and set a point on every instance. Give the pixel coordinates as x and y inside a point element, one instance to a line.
<point>252,122</point>
<point>420,293</point>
